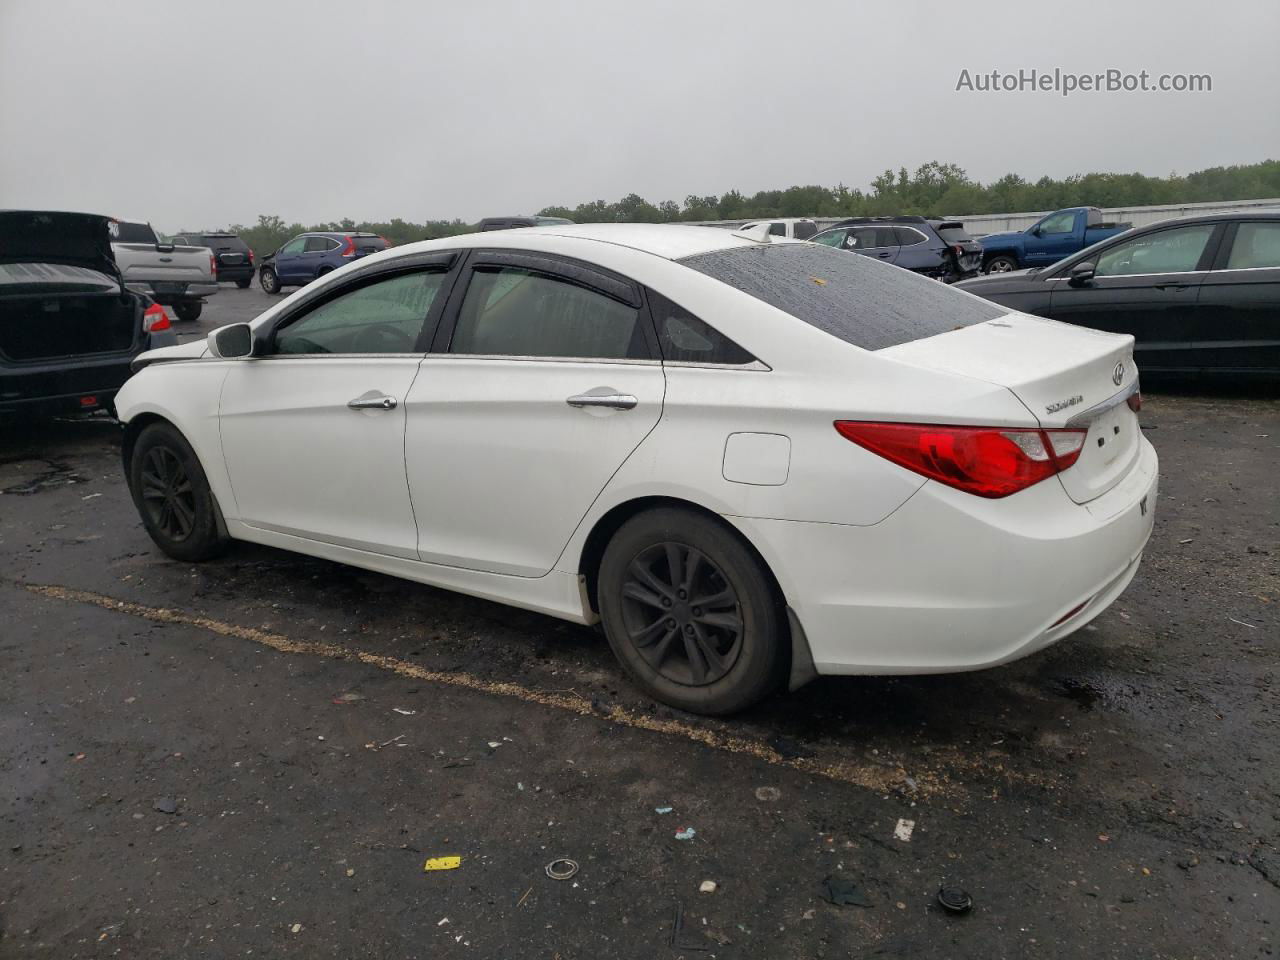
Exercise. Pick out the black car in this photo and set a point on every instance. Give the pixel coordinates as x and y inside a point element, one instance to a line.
<point>507,223</point>
<point>937,248</point>
<point>232,258</point>
<point>68,326</point>
<point>1198,294</point>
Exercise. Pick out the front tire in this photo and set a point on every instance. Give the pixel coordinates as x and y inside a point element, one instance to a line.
<point>1001,264</point>
<point>172,495</point>
<point>188,312</point>
<point>268,280</point>
<point>691,612</point>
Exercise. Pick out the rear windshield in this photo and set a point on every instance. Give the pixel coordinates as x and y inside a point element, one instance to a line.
<point>855,298</point>
<point>368,242</point>
<point>220,241</point>
<point>122,232</point>
<point>952,232</point>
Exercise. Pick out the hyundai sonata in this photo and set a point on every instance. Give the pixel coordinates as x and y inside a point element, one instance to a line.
<point>752,462</point>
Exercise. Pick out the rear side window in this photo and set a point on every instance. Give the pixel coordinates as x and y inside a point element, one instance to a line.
<point>684,338</point>
<point>804,229</point>
<point>777,229</point>
<point>953,233</point>
<point>908,236</point>
<point>862,302</point>
<point>1257,245</point>
<point>516,312</point>
<point>122,232</point>
<point>319,243</point>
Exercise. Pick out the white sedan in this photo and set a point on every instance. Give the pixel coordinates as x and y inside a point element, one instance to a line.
<point>753,462</point>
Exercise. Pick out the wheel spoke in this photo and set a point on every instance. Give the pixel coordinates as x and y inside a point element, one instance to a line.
<point>152,493</point>
<point>727,621</point>
<point>638,592</point>
<point>646,576</point>
<point>185,516</point>
<point>675,563</point>
<point>710,654</point>
<point>722,598</point>
<point>159,465</point>
<point>692,567</point>
<point>165,520</point>
<point>697,660</point>
<point>647,636</point>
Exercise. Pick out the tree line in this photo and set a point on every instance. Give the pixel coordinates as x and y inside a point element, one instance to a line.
<point>934,189</point>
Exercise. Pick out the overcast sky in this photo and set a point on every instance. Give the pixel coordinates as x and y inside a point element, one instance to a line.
<point>196,115</point>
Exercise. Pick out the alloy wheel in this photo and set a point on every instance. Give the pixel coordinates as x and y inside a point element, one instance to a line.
<point>682,614</point>
<point>167,494</point>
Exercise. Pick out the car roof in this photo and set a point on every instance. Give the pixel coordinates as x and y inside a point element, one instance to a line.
<point>673,241</point>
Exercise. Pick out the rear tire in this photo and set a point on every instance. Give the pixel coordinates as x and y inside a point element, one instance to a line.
<point>188,312</point>
<point>268,280</point>
<point>691,612</point>
<point>172,495</point>
<point>1000,264</point>
<point>242,284</point>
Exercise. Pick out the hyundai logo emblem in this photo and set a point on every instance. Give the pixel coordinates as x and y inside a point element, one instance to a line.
<point>1118,373</point>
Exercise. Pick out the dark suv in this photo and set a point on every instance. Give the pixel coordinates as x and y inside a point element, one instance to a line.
<point>937,248</point>
<point>232,258</point>
<point>507,223</point>
<point>311,255</point>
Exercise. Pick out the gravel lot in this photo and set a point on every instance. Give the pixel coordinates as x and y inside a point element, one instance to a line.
<point>255,756</point>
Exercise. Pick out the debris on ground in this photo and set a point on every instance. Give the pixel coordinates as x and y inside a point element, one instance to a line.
<point>562,868</point>
<point>403,712</point>
<point>678,940</point>
<point>346,698</point>
<point>296,928</point>
<point>768,794</point>
<point>442,863</point>
<point>351,872</point>
<point>903,830</point>
<point>789,749</point>
<point>685,833</point>
<point>843,893</point>
<point>165,805</point>
<point>954,900</point>
<point>663,809</point>
<point>707,886</point>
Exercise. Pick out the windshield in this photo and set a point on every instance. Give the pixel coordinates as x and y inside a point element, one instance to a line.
<point>855,298</point>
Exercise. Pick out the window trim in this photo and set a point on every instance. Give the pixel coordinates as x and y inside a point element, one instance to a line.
<point>565,269</point>
<point>447,262</point>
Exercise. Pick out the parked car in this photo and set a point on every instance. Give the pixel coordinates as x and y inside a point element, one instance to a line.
<point>311,255</point>
<point>232,258</point>
<point>175,276</point>
<point>790,461</point>
<point>507,223</point>
<point>793,228</point>
<point>69,328</point>
<point>937,248</point>
<point>1198,294</point>
<point>1048,240</point>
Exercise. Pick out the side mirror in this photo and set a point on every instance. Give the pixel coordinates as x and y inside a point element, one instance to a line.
<point>1034,231</point>
<point>232,342</point>
<point>1082,273</point>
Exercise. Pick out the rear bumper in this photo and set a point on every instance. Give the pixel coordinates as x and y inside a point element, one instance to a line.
<point>227,274</point>
<point>60,385</point>
<point>952,582</point>
<point>170,293</point>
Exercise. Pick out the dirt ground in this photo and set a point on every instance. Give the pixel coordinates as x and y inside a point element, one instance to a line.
<point>256,756</point>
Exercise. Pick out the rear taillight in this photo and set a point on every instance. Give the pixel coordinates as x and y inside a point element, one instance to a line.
<point>1135,402</point>
<point>385,242</point>
<point>988,462</point>
<point>957,250</point>
<point>213,264</point>
<point>155,319</point>
<point>250,256</point>
<point>350,249</point>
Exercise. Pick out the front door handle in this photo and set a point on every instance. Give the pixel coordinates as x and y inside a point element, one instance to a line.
<point>378,401</point>
<point>615,401</point>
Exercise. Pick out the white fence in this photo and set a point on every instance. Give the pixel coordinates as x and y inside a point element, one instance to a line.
<point>981,224</point>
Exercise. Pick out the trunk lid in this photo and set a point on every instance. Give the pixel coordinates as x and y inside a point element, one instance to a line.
<point>41,236</point>
<point>1067,376</point>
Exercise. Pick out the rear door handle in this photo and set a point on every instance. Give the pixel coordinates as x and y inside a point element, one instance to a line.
<point>616,401</point>
<point>378,401</point>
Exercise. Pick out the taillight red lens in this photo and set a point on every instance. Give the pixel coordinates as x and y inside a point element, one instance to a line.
<point>213,264</point>
<point>988,462</point>
<point>155,319</point>
<point>250,256</point>
<point>350,249</point>
<point>1135,402</point>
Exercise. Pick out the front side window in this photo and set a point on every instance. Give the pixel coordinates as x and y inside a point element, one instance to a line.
<point>832,238</point>
<point>1257,245</point>
<point>684,338</point>
<point>516,312</point>
<point>295,245</point>
<point>384,316</point>
<point>1168,251</point>
<point>1058,223</point>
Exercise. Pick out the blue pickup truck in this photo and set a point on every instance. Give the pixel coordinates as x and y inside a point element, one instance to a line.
<point>1048,240</point>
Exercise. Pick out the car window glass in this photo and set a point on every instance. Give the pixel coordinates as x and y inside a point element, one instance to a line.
<point>832,238</point>
<point>294,246</point>
<point>316,243</point>
<point>804,229</point>
<point>514,312</point>
<point>124,232</point>
<point>907,237</point>
<point>385,316</point>
<point>1167,251</point>
<point>1058,223</point>
<point>777,229</point>
<point>686,339</point>
<point>1256,245</point>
